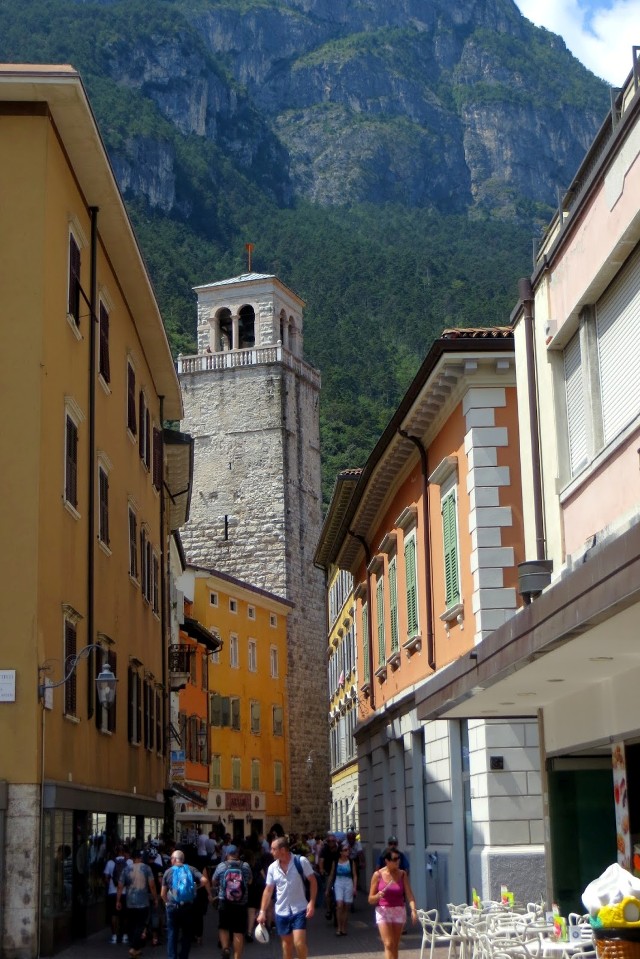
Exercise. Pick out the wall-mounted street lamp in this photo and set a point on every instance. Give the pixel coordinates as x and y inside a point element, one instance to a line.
<point>106,682</point>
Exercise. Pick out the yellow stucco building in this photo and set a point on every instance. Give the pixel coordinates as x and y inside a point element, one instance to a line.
<point>249,751</point>
<point>87,379</point>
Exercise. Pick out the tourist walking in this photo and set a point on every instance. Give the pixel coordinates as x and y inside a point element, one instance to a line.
<point>179,885</point>
<point>390,891</point>
<point>138,880</point>
<point>343,882</point>
<point>230,883</point>
<point>286,875</point>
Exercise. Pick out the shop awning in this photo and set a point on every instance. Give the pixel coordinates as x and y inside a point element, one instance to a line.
<point>191,795</point>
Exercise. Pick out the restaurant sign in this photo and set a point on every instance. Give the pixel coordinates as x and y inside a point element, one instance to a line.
<point>238,802</point>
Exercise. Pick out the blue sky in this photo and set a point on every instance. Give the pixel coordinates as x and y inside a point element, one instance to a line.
<point>600,33</point>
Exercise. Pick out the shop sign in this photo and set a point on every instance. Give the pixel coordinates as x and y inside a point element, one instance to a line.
<point>621,804</point>
<point>239,802</point>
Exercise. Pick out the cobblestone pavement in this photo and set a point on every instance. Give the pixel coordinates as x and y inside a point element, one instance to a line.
<point>362,942</point>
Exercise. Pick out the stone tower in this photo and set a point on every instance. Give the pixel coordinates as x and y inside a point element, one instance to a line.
<point>252,406</point>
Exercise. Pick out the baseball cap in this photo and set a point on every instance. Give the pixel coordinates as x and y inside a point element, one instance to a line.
<point>392,839</point>
<point>231,850</point>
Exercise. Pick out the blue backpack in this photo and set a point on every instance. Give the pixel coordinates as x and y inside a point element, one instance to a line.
<point>182,885</point>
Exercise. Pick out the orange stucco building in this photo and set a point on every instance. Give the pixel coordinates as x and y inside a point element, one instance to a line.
<point>431,531</point>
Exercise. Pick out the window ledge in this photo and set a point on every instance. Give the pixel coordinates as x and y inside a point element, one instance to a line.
<point>105,732</point>
<point>394,660</point>
<point>453,613</point>
<point>381,673</point>
<point>70,508</point>
<point>103,383</point>
<point>71,719</point>
<point>104,547</point>
<point>587,471</point>
<point>75,329</point>
<point>413,644</point>
<point>365,689</point>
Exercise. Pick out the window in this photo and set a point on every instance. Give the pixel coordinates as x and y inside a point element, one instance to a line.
<point>73,307</point>
<point>131,399</point>
<point>203,742</point>
<point>253,656</point>
<point>273,661</point>
<point>393,604</point>
<point>159,723</point>
<point>576,405</point>
<point>213,599</point>
<point>224,711</point>
<point>70,651</point>
<point>251,612</point>
<point>144,430</point>
<point>233,605</point>
<point>365,643</point>
<point>145,563</point>
<point>104,368</point>
<point>382,655</point>
<point>235,712</point>
<point>204,671</point>
<point>71,462</point>
<point>412,584</point>
<point>277,776</point>
<point>255,717</point>
<point>103,505</point>
<point>255,774</point>
<point>234,655</point>
<point>216,772</point>
<point>450,538</point>
<point>155,583</point>
<point>236,772</point>
<point>133,544</point>
<point>134,697</point>
<point>273,620</point>
<point>157,458</point>
<point>278,721</point>
<point>148,719</point>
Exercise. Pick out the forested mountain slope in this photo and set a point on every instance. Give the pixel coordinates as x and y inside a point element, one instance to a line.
<point>390,159</point>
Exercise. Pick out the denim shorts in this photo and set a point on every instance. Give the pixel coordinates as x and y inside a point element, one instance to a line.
<point>285,925</point>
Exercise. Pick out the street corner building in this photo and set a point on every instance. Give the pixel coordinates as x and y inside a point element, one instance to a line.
<point>87,380</point>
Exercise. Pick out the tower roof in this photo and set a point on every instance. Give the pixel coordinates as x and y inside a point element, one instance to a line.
<point>248,280</point>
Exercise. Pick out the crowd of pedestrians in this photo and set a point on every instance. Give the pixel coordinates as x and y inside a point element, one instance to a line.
<point>261,886</point>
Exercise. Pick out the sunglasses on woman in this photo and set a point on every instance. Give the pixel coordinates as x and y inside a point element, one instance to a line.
<point>394,858</point>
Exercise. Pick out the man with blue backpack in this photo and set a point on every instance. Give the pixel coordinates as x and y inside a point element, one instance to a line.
<point>179,886</point>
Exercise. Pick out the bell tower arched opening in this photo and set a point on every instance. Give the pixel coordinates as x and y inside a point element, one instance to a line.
<point>224,337</point>
<point>246,328</point>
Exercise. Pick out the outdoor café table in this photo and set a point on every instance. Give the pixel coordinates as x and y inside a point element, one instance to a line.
<point>556,947</point>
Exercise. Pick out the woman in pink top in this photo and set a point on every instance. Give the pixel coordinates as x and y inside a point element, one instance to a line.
<point>390,891</point>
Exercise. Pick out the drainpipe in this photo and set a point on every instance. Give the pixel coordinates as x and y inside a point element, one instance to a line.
<point>367,555</point>
<point>525,293</point>
<point>431,657</point>
<point>164,574</point>
<point>93,319</point>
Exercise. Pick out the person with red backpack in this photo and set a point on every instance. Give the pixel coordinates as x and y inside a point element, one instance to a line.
<point>231,882</point>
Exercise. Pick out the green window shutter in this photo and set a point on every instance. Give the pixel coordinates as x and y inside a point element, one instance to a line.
<point>450,537</point>
<point>412,590</point>
<point>365,642</point>
<point>393,603</point>
<point>380,614</point>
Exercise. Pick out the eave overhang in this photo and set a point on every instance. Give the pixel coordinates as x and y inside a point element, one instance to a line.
<point>179,451</point>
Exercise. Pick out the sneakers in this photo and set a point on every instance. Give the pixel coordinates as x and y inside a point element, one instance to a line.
<point>226,954</point>
<point>125,939</point>
<point>114,939</point>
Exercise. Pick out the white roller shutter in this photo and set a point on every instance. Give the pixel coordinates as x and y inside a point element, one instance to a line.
<point>576,407</point>
<point>618,331</point>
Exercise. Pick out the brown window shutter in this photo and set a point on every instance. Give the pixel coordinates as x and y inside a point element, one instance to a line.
<point>71,475</point>
<point>139,708</point>
<point>131,399</point>
<point>141,425</point>
<point>157,458</point>
<point>104,366</point>
<point>74,280</point>
<point>70,651</point>
<point>103,483</point>
<point>131,693</point>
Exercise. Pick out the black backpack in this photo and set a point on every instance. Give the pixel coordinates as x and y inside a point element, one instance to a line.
<point>307,886</point>
<point>119,866</point>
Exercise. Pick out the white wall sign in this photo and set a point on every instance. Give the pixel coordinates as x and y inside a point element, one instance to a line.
<point>7,685</point>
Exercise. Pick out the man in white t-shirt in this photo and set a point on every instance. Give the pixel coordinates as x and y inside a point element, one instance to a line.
<point>286,875</point>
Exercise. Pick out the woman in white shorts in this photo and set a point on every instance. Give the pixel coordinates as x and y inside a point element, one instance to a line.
<point>342,879</point>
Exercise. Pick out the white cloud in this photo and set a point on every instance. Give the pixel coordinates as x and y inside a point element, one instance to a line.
<point>601,38</point>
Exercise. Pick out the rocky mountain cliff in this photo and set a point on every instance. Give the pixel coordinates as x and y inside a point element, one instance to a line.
<point>391,160</point>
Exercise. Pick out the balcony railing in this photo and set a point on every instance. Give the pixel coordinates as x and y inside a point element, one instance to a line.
<point>256,356</point>
<point>180,659</point>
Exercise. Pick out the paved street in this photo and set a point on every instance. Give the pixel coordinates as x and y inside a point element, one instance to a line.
<point>362,941</point>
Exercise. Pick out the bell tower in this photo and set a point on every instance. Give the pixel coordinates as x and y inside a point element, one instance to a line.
<point>252,406</point>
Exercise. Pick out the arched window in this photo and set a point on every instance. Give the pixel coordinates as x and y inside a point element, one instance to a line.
<point>225,331</point>
<point>247,328</point>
